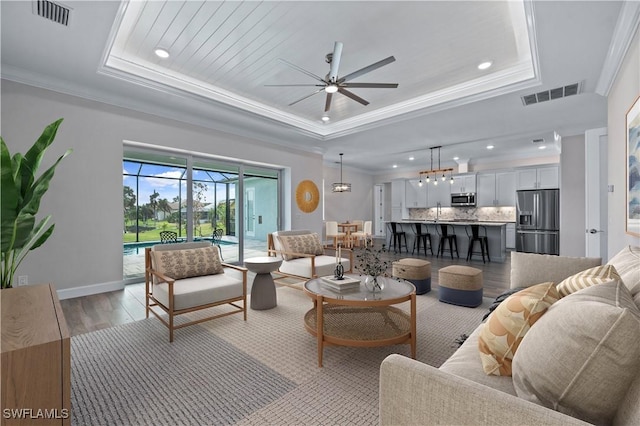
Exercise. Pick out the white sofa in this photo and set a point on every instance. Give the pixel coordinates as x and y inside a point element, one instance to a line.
<point>460,393</point>
<point>304,256</point>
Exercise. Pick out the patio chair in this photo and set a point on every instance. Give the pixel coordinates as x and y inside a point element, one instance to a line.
<point>167,237</point>
<point>216,238</point>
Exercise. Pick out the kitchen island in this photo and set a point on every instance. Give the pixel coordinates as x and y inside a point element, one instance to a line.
<point>496,236</point>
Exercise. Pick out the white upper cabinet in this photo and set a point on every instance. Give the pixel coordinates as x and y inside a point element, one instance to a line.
<point>496,189</point>
<point>538,178</point>
<point>463,183</point>
<point>415,195</point>
<point>439,194</point>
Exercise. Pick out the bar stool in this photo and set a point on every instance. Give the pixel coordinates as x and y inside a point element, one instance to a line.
<point>477,233</point>
<point>396,236</point>
<point>447,235</point>
<point>420,237</point>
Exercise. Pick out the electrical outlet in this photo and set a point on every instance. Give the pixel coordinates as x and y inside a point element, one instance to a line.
<point>23,280</point>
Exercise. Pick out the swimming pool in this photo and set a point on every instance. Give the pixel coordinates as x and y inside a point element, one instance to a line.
<point>132,249</point>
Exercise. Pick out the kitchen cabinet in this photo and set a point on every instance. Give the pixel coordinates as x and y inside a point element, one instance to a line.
<point>415,195</point>
<point>511,236</point>
<point>496,189</point>
<point>546,177</point>
<point>397,199</point>
<point>463,184</point>
<point>439,195</point>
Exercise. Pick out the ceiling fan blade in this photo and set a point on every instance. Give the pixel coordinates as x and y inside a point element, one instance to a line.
<point>335,62</point>
<point>352,96</point>
<point>367,69</point>
<point>373,85</point>
<point>294,85</point>
<point>327,104</point>
<point>297,68</point>
<point>308,96</point>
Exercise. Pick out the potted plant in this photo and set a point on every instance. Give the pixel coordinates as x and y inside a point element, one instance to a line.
<point>20,200</point>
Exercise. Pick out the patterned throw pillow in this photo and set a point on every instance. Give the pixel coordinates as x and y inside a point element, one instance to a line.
<point>509,322</point>
<point>178,264</point>
<point>304,244</point>
<point>584,279</point>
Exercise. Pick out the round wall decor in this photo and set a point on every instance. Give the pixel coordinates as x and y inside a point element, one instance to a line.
<point>307,196</point>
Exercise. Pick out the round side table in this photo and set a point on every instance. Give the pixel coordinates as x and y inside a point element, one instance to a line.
<point>263,290</point>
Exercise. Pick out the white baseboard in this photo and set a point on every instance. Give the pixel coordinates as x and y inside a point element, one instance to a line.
<point>87,290</point>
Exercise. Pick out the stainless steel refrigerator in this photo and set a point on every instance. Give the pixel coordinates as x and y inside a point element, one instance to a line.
<point>538,221</point>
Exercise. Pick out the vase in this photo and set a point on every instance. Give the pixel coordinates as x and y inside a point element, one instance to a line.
<point>373,284</point>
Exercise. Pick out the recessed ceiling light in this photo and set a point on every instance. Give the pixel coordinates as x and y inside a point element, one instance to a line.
<point>456,158</point>
<point>485,65</point>
<point>395,166</point>
<point>161,53</point>
<point>411,158</point>
<point>325,118</point>
<point>490,146</point>
<point>542,147</point>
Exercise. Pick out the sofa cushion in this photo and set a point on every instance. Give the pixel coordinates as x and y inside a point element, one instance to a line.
<point>179,264</point>
<point>465,362</point>
<point>581,357</point>
<point>508,324</point>
<point>587,278</point>
<point>324,265</point>
<point>530,268</point>
<point>304,243</point>
<point>627,263</point>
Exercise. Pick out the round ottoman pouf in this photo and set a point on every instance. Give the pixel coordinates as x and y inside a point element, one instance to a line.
<point>460,285</point>
<point>417,271</point>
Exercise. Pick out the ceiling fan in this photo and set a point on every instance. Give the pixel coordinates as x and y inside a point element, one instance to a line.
<point>332,83</point>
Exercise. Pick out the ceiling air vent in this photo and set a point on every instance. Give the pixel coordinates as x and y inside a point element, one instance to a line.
<point>549,95</point>
<point>55,12</point>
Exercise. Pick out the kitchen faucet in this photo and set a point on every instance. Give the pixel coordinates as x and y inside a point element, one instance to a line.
<point>438,211</point>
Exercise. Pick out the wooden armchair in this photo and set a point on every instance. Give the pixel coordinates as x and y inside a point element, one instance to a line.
<point>304,256</point>
<point>187,277</point>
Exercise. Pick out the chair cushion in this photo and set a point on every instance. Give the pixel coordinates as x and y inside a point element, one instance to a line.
<point>198,291</point>
<point>325,265</point>
<point>179,264</point>
<point>509,322</point>
<point>584,279</point>
<point>304,243</point>
<point>581,357</point>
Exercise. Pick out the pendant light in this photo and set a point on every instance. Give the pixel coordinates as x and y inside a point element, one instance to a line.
<point>341,186</point>
<point>438,170</point>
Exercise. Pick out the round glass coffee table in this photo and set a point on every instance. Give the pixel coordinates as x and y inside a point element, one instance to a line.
<point>358,317</point>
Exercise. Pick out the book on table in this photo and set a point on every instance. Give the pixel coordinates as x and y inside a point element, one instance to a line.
<point>346,283</point>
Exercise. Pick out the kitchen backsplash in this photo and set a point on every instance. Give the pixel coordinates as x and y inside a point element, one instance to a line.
<point>483,214</point>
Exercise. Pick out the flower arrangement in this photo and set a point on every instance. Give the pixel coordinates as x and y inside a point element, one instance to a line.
<point>369,262</point>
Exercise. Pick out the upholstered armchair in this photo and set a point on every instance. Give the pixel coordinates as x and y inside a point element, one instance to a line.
<point>187,277</point>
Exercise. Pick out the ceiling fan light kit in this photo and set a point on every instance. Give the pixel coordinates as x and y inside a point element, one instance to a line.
<point>332,83</point>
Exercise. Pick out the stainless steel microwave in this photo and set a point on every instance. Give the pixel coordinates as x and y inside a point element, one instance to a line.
<point>467,199</point>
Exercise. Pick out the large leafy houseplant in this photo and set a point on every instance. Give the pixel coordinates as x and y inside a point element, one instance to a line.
<point>20,195</point>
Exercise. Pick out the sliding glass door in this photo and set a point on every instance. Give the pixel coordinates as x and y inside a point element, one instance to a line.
<point>193,197</point>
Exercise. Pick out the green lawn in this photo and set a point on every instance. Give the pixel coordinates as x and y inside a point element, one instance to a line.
<point>203,230</point>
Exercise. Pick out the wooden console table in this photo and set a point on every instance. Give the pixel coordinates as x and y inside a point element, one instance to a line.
<point>36,358</point>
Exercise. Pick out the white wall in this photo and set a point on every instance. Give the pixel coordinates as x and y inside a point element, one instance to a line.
<point>572,196</point>
<point>85,197</point>
<point>624,91</point>
<point>357,204</point>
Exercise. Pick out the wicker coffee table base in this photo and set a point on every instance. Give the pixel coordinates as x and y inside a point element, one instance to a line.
<point>367,326</point>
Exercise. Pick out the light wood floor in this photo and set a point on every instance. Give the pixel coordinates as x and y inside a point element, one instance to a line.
<point>95,312</point>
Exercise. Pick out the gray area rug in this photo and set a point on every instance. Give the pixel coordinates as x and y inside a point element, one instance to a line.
<point>227,371</point>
